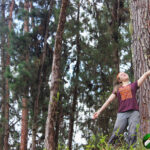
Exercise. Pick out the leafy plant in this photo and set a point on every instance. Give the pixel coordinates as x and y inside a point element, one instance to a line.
<point>100,143</point>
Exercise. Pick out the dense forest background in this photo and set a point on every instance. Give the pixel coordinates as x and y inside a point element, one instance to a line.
<point>95,46</point>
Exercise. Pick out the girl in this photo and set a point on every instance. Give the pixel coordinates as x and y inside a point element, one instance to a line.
<point>128,111</point>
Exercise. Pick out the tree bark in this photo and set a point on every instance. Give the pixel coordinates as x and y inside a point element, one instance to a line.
<point>55,80</point>
<point>24,121</point>
<point>140,30</point>
<point>75,93</point>
<point>6,144</point>
<point>24,125</point>
<point>36,103</point>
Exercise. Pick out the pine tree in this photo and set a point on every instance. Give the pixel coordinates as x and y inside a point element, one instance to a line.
<point>6,144</point>
<point>24,121</point>
<point>55,81</point>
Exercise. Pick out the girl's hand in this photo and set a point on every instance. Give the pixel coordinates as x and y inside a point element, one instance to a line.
<point>96,114</point>
<point>143,77</point>
<point>109,100</point>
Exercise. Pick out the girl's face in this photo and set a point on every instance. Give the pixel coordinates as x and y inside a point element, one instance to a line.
<point>122,76</point>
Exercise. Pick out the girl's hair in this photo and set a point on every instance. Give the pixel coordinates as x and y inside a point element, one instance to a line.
<point>117,84</point>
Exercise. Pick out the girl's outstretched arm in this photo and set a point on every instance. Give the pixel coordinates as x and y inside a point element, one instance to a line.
<point>109,100</point>
<point>142,78</point>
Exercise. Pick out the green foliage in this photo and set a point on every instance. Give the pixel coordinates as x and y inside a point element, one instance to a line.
<point>21,78</point>
<point>3,25</point>
<point>62,146</point>
<point>131,28</point>
<point>95,144</point>
<point>57,97</point>
<point>101,144</point>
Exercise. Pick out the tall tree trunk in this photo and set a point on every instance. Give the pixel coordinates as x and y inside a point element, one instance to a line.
<point>24,125</point>
<point>24,121</point>
<point>36,103</point>
<point>3,104</point>
<point>55,80</point>
<point>140,30</point>
<point>6,145</point>
<point>75,93</point>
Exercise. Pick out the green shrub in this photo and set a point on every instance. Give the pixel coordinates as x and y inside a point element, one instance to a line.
<point>99,142</point>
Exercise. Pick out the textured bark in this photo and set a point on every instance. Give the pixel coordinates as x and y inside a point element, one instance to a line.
<point>55,80</point>
<point>6,145</point>
<point>75,92</point>
<point>36,103</point>
<point>140,30</point>
<point>24,125</point>
<point>24,121</point>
